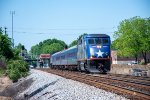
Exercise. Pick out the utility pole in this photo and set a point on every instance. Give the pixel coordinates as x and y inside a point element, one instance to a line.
<point>5,30</point>
<point>12,13</point>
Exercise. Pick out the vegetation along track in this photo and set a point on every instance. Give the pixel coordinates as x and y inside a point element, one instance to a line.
<point>130,89</point>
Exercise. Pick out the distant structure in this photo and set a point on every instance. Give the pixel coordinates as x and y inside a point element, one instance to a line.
<point>44,60</point>
<point>23,53</point>
<point>126,60</point>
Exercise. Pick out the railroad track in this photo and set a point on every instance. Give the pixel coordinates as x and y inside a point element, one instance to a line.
<point>133,77</point>
<point>126,78</point>
<point>117,85</point>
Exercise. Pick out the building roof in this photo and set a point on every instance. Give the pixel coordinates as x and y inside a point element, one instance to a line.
<point>96,35</point>
<point>44,56</point>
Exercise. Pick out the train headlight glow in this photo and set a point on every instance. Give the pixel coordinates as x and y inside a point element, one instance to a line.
<point>91,51</point>
<point>98,46</point>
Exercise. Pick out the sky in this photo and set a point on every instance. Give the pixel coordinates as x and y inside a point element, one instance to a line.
<point>37,20</point>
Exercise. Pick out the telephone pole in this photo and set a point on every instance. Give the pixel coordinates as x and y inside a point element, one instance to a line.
<point>5,30</point>
<point>12,13</point>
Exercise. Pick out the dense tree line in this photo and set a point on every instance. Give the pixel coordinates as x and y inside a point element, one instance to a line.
<point>48,46</point>
<point>133,37</point>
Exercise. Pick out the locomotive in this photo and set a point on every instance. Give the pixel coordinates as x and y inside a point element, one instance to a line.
<point>91,54</point>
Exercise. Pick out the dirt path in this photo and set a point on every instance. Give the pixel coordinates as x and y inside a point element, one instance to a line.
<point>5,98</point>
<point>9,90</point>
<point>4,83</point>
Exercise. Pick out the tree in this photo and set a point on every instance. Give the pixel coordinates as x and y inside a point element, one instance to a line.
<point>20,51</point>
<point>75,42</point>
<point>133,37</point>
<point>53,48</point>
<point>35,50</point>
<point>5,46</point>
<point>48,46</point>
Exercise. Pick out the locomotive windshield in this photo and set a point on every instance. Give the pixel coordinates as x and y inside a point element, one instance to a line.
<point>91,41</point>
<point>98,41</point>
<point>105,40</point>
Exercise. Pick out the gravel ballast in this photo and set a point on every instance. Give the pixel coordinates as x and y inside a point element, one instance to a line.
<point>48,86</point>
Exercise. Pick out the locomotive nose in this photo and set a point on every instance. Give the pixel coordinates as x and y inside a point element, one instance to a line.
<point>99,51</point>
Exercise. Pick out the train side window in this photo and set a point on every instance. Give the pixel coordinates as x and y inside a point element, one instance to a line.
<point>105,41</point>
<point>98,41</point>
<point>91,41</point>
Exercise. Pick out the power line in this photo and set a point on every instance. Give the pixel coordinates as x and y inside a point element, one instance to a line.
<point>23,32</point>
<point>39,31</point>
<point>98,28</point>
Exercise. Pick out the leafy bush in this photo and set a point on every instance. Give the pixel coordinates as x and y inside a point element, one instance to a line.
<point>2,72</point>
<point>142,62</point>
<point>17,69</point>
<point>2,65</point>
<point>14,74</point>
<point>2,62</point>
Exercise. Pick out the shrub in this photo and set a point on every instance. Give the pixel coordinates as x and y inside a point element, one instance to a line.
<point>142,62</point>
<point>2,72</point>
<point>2,62</point>
<point>17,69</point>
<point>2,65</point>
<point>14,75</point>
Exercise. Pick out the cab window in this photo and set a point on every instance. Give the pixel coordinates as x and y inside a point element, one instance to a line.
<point>91,41</point>
<point>98,41</point>
<point>105,41</point>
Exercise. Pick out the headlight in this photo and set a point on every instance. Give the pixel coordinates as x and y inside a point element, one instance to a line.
<point>98,46</point>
